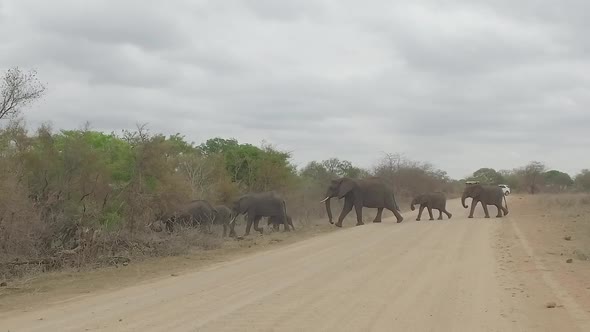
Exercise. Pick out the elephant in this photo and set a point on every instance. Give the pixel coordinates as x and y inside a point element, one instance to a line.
<point>257,205</point>
<point>223,216</point>
<point>370,192</point>
<point>487,195</point>
<point>276,223</point>
<point>432,200</point>
<point>196,213</point>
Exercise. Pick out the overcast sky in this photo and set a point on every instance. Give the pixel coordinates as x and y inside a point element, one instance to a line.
<point>462,84</point>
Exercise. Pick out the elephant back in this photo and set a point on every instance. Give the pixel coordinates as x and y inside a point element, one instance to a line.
<point>200,211</point>
<point>268,203</point>
<point>223,214</point>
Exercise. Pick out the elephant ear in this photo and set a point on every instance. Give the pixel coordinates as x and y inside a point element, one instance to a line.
<point>345,187</point>
<point>477,190</point>
<point>419,199</point>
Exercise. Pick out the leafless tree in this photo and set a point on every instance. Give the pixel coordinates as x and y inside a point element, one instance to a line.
<point>18,89</point>
<point>199,172</point>
<point>533,175</point>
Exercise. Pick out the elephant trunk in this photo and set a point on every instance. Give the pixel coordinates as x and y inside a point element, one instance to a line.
<point>463,197</point>
<point>328,209</point>
<point>412,205</point>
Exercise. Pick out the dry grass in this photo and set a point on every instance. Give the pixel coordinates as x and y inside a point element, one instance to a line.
<point>184,254</point>
<point>578,201</point>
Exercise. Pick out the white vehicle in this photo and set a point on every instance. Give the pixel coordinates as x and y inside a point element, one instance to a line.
<point>505,189</point>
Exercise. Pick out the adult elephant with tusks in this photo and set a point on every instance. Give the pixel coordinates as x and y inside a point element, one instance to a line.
<point>370,192</point>
<point>487,195</point>
<point>257,205</point>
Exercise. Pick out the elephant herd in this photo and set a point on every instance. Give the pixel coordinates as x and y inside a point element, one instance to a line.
<point>255,206</point>
<point>371,192</point>
<point>486,195</point>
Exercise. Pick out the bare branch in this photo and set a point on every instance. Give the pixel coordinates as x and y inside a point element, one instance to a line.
<point>17,90</point>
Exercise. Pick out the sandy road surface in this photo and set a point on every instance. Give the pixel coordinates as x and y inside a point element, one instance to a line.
<point>413,276</point>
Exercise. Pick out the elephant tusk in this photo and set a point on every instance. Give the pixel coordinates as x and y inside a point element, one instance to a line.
<point>325,199</point>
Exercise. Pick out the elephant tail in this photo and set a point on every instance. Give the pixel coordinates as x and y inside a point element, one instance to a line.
<point>285,211</point>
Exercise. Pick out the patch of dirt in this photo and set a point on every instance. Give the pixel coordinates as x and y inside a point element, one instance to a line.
<point>542,250</point>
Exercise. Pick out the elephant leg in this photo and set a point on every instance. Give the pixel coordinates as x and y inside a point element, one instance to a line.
<point>440,214</point>
<point>485,210</point>
<point>449,215</point>
<point>285,224</point>
<point>256,221</point>
<point>420,212</point>
<point>473,203</point>
<point>504,209</point>
<point>392,206</point>
<point>345,210</point>
<point>430,212</point>
<point>232,230</point>
<point>499,207</point>
<point>275,224</point>
<point>378,216</point>
<point>249,225</point>
<point>224,230</point>
<point>359,214</point>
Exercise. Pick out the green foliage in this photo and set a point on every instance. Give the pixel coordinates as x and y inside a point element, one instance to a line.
<point>331,168</point>
<point>557,180</point>
<point>487,176</point>
<point>254,168</point>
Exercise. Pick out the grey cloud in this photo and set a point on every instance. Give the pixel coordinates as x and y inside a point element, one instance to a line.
<point>132,22</point>
<point>285,10</point>
<point>464,84</point>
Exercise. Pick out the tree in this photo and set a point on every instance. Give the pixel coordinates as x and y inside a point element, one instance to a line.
<point>511,178</point>
<point>17,90</point>
<point>533,175</point>
<point>255,168</point>
<point>218,145</point>
<point>331,168</point>
<point>488,175</point>
<point>341,168</point>
<point>582,180</point>
<point>410,177</point>
<point>315,170</point>
<point>557,180</point>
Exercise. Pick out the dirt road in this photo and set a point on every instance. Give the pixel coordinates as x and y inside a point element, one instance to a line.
<point>451,275</point>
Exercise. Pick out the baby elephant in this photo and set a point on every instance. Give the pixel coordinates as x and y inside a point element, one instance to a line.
<point>434,200</point>
<point>275,222</point>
